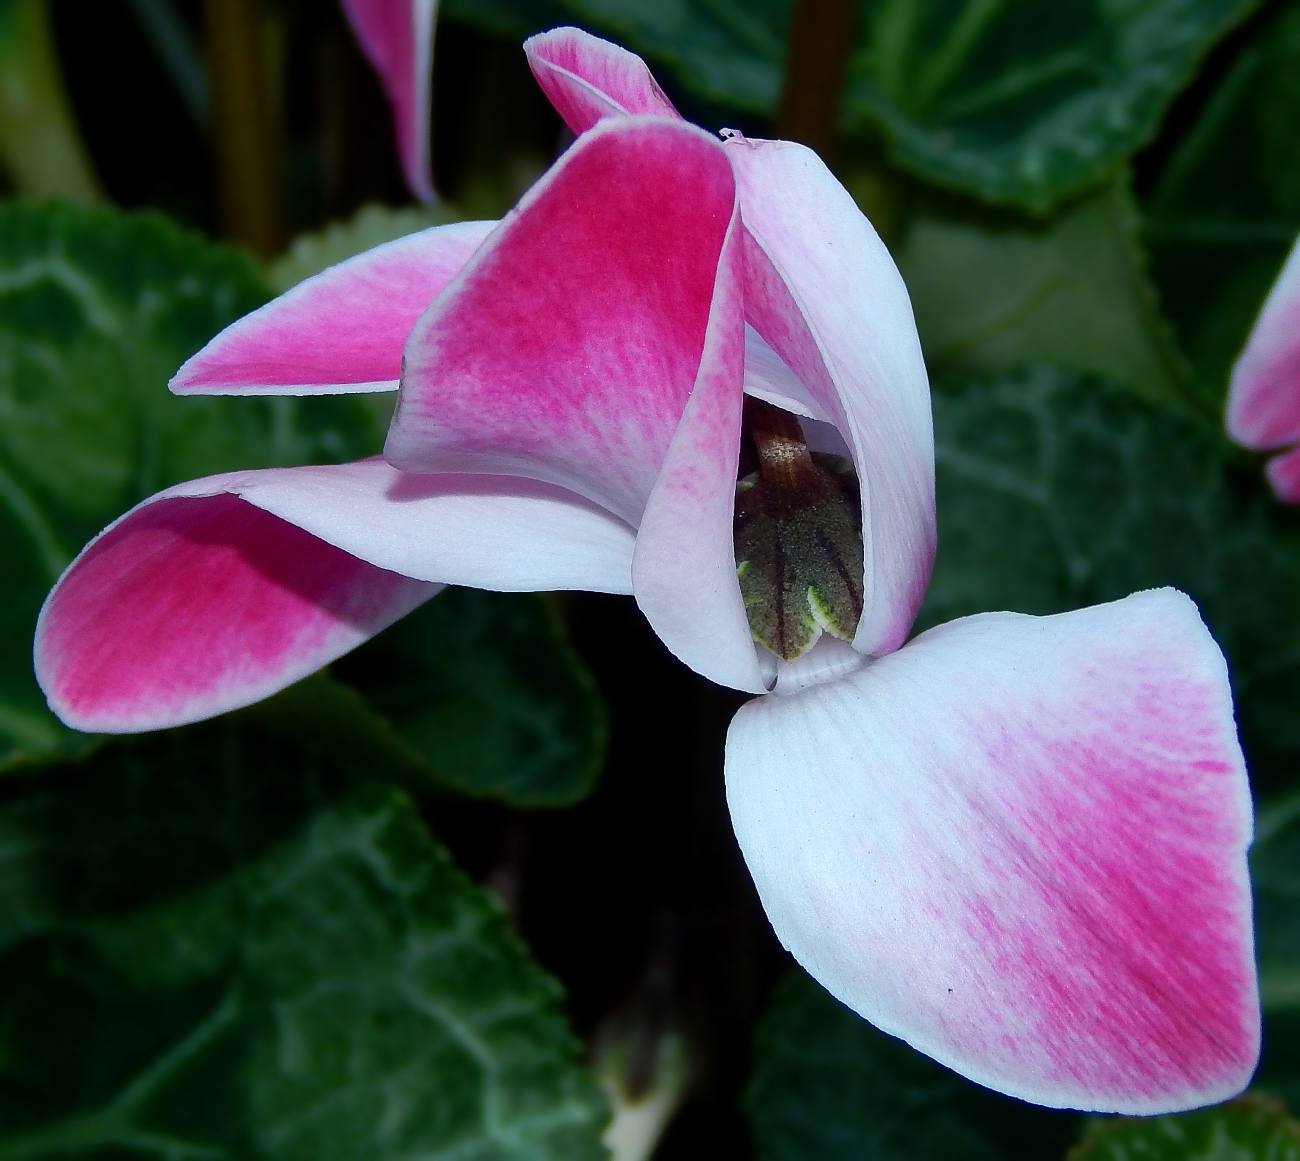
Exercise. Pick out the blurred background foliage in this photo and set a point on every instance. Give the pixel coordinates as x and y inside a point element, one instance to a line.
<point>474,890</point>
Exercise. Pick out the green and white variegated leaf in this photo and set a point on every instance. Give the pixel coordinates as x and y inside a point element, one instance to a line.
<point>827,1086</point>
<point>487,689</point>
<point>97,310</point>
<point>215,946</point>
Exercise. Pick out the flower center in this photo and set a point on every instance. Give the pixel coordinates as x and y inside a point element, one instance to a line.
<point>798,536</point>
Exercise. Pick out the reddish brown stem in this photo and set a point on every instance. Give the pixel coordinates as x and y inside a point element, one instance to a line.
<point>243,124</point>
<point>778,440</point>
<point>821,39</point>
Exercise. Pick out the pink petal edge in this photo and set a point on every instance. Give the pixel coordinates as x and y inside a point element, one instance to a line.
<point>1019,843</point>
<point>192,606</point>
<point>397,38</point>
<point>1263,409</point>
<point>566,349</point>
<point>217,593</point>
<point>341,330</point>
<point>588,79</point>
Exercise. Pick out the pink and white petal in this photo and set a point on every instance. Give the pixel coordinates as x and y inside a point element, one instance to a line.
<point>1264,396</point>
<point>192,606</point>
<point>1284,474</point>
<point>218,592</point>
<point>768,378</point>
<point>684,569</point>
<point>566,349</point>
<point>823,291</point>
<point>588,79</point>
<point>397,37</point>
<point>503,533</point>
<point>341,330</point>
<point>1019,844</point>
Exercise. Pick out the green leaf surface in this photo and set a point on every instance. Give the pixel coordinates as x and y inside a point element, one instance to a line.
<point>1275,873</point>
<point>827,1086</point>
<point>1226,206</point>
<point>1018,102</point>
<point>1252,1128</point>
<point>487,688</point>
<point>372,225</point>
<point>1022,103</point>
<point>216,946</point>
<point>515,18</point>
<point>1056,492</point>
<point>97,310</point>
<point>992,291</point>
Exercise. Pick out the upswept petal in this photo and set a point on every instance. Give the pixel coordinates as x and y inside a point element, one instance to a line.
<point>588,79</point>
<point>397,37</point>
<point>1263,409</point>
<point>822,290</point>
<point>1019,844</point>
<point>341,330</point>
<point>567,347</point>
<point>219,592</point>
<point>684,568</point>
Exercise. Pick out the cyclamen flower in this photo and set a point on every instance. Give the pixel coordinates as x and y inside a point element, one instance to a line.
<point>1264,395</point>
<point>1016,842</point>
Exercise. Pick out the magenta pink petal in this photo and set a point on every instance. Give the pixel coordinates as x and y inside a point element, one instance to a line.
<point>218,592</point>
<point>397,37</point>
<point>684,569</point>
<point>1019,843</point>
<point>588,79</point>
<point>566,349</point>
<point>1264,397</point>
<point>823,291</point>
<point>341,330</point>
<point>192,606</point>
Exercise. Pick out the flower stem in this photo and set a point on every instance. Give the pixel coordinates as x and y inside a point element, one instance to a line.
<point>821,39</point>
<point>243,126</point>
<point>40,146</point>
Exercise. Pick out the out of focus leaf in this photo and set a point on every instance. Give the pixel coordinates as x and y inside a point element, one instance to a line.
<point>1251,1128</point>
<point>515,18</point>
<point>487,688</point>
<point>1275,872</point>
<point>214,946</point>
<point>1226,207</point>
<point>41,150</point>
<point>1020,102</point>
<point>372,225</point>
<point>97,310</point>
<point>1056,492</point>
<point>1015,101</point>
<point>992,291</point>
<point>828,1086</point>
